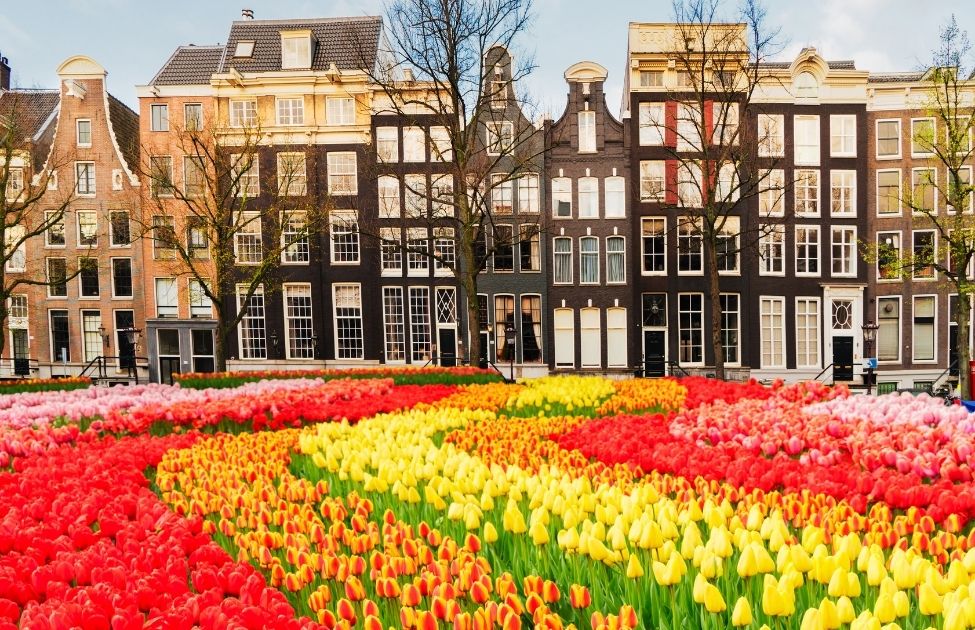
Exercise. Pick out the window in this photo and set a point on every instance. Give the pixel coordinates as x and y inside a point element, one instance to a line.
<point>202,349</point>
<point>416,195</point>
<point>922,137</point>
<point>615,260</point>
<point>806,137</point>
<point>529,248</point>
<point>531,328</point>
<point>83,128</point>
<point>502,195</point>
<point>807,332</point>
<point>689,188</point>
<point>588,198</point>
<point>500,137</point>
<point>772,315</point>
<point>844,246</point>
<point>588,260</point>
<point>445,251</point>
<point>120,233</point>
<point>654,310</point>
<point>200,304</point>
<point>685,80</point>
<point>616,337</point>
<point>652,180</point>
<point>690,247</point>
<point>295,50</point>
<point>590,338</point>
<point>84,178</point>
<point>587,132</point>
<point>244,49</point>
<point>299,328</point>
<point>725,116</point>
<point>888,139</point>
<point>726,188</point>
<point>888,255</point>
<point>421,338</point>
<point>18,311</point>
<point>91,336</point>
<point>291,173</point>
<point>54,235</point>
<point>889,333</point>
<point>160,117</point>
<point>340,110</point>
<point>771,250</point>
<point>727,245</point>
<point>388,197</point>
<point>504,257</point>
<point>528,193</point>
<point>564,328</point>
<point>413,141</point>
<point>60,336</point>
<point>807,250</point>
<point>193,116</point>
<point>499,92</point>
<point>442,195</point>
<point>923,186</point>
<point>193,176</point>
<point>197,238</point>
<point>161,176</point>
<point>291,111</point>
<point>771,135</point>
<point>772,193</point>
<point>15,182</point>
<point>924,328</point>
<point>562,259</point>
<point>251,332</point>
<point>243,113</point>
<point>651,78</point>
<point>651,124</point>
<point>806,86</point>
<point>690,318</point>
<point>689,125</point>
<point>615,197</point>
<point>166,300</point>
<point>387,144</point>
<point>807,193</point>
<point>390,252</point>
<point>843,193</point>
<point>121,277</point>
<point>730,327</point>
<point>654,237</point>
<point>504,316</point>
<point>843,136</point>
<point>342,173</point>
<point>417,257</point>
<point>163,238</point>
<point>889,192</point>
<point>345,238</point>
<point>925,253</point>
<point>16,250</point>
<point>245,173</point>
<point>394,325</point>
<point>562,197</point>
<point>440,147</point>
<point>294,238</point>
<point>962,184</point>
<point>57,273</point>
<point>248,239</point>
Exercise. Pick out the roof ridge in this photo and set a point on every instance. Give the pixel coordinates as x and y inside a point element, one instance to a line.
<point>319,20</point>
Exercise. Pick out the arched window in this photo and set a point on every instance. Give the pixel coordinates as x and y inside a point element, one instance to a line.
<point>807,86</point>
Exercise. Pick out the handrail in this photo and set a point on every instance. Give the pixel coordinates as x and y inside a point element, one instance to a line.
<point>825,369</point>
<point>674,365</point>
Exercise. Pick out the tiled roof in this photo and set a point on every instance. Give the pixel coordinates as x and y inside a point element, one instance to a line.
<point>125,124</point>
<point>895,77</point>
<point>845,64</point>
<point>29,109</point>
<point>189,65</point>
<point>351,43</point>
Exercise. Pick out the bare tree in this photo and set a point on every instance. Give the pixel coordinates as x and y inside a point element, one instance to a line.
<point>226,227</point>
<point>446,68</point>
<point>711,136</point>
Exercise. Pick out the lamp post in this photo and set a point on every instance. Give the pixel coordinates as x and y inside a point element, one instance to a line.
<point>869,335</point>
<point>509,339</point>
<point>128,361</point>
<point>274,342</point>
<point>104,334</point>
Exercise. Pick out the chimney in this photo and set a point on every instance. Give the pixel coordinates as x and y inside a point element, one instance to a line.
<point>4,73</point>
<point>247,14</point>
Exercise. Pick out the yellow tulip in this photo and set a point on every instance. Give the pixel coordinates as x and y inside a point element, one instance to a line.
<point>742,613</point>
<point>490,533</point>
<point>713,600</point>
<point>829,616</point>
<point>844,609</point>
<point>929,601</point>
<point>811,620</point>
<point>747,562</point>
<point>633,568</point>
<point>539,534</point>
<point>883,609</point>
<point>902,606</point>
<point>700,588</point>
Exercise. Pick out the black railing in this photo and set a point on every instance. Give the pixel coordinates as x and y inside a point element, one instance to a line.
<point>676,369</point>
<point>951,372</point>
<point>825,370</point>
<point>98,368</point>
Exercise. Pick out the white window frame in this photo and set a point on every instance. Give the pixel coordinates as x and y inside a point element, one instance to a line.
<point>737,329</point>
<point>877,153</point>
<point>681,328</point>
<point>806,153</point>
<point>771,138</point>
<point>849,248</point>
<point>289,110</point>
<point>804,331</point>
<point>414,141</point>
<point>169,309</point>
<point>933,184</point>
<point>934,127</point>
<point>587,131</point>
<point>335,319</point>
<point>496,134</point>
<point>394,325</point>
<point>111,267</point>
<point>900,252</point>
<point>502,194</point>
<point>809,229</point>
<point>298,290</point>
<point>900,328</point>
<point>592,256</point>
<point>77,127</point>
<point>337,186</point>
<point>689,125</point>
<point>900,190</point>
<point>528,193</point>
<point>200,304</point>
<point>561,192</point>
<point>249,228</point>
<point>731,231</point>
<point>243,112</point>
<point>614,197</point>
<point>417,263</point>
<point>389,204</point>
<point>914,336</point>
<point>295,182</point>
<point>934,244</point>
<point>620,253</point>
<point>295,244</point>
<point>836,182</point>
<point>440,145</point>
<point>688,232</point>
<point>555,257</point>
<point>340,110</point>
<point>843,129</point>
<point>653,181</point>
<point>344,224</point>
<point>163,119</point>
<point>772,239</point>
<point>588,191</point>
<point>91,187</point>
<point>777,353</point>
<point>252,352</point>
<point>17,259</point>
<point>653,222</point>
<point>725,133</point>
<point>652,124</point>
<point>771,197</point>
<point>387,144</point>
<point>390,252</point>
<point>296,50</point>
<point>249,182</point>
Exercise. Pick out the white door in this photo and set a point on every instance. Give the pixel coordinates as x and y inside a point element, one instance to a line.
<point>616,337</point>
<point>590,337</point>
<point>565,348</point>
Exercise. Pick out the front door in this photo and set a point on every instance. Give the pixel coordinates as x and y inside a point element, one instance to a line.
<point>447,343</point>
<point>485,351</point>
<point>654,352</point>
<point>167,367</point>
<point>169,354</point>
<point>842,358</point>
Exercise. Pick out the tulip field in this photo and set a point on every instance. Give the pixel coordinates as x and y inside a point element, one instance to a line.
<point>437,499</point>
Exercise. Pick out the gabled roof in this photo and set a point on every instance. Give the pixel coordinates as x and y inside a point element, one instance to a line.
<point>125,124</point>
<point>29,109</point>
<point>843,64</point>
<point>895,77</point>
<point>189,65</point>
<point>351,43</point>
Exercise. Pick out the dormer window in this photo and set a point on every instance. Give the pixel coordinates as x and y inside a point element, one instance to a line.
<point>296,49</point>
<point>244,49</point>
<point>807,86</point>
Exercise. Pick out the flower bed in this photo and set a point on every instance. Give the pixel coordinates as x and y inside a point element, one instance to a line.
<point>407,375</point>
<point>21,385</point>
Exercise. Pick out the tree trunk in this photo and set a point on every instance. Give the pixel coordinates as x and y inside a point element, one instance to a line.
<point>964,350</point>
<point>468,282</point>
<point>714,296</point>
<point>220,346</point>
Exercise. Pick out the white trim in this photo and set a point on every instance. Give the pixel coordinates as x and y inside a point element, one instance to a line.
<point>900,139</point>
<point>133,178</point>
<point>934,341</point>
<point>900,328</point>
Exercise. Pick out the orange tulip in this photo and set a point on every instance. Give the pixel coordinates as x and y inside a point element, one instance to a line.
<point>532,584</point>
<point>533,602</point>
<point>326,618</point>
<point>479,593</point>
<point>371,622</point>
<point>550,592</point>
<point>354,589</point>
<point>407,617</point>
<point>346,610</point>
<point>628,618</point>
<point>463,621</point>
<point>579,596</point>
<point>472,543</point>
<point>426,621</point>
<point>439,607</point>
<point>482,621</point>
<point>369,607</point>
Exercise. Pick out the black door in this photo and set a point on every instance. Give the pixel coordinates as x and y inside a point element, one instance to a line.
<point>654,353</point>
<point>167,367</point>
<point>842,358</point>
<point>953,349</point>
<point>485,352</point>
<point>447,342</point>
<point>126,349</point>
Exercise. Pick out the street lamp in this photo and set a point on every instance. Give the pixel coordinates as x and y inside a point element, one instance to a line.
<point>509,339</point>
<point>104,334</point>
<point>131,336</point>
<point>869,336</point>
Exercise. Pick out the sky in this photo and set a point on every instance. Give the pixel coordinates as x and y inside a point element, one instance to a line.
<point>132,39</point>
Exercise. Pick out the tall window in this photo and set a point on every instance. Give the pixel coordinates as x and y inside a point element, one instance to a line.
<point>587,132</point>
<point>562,197</point>
<point>167,304</point>
<point>200,303</point>
<point>347,309</point>
<point>889,333</point>
<point>772,315</point>
<point>690,247</point>
<point>731,327</point>
<point>291,173</point>
<point>588,260</point>
<point>807,192</point>
<point>925,308</point>
<point>294,238</point>
<point>727,246</point>
<point>60,336</point>
<point>295,51</point>
<point>502,194</point>
<point>771,135</point>
<point>15,182</point>
<point>806,134</point>
<point>342,173</point>
<point>528,193</point>
<point>654,310</point>
<point>771,250</point>
<point>442,195</point>
<point>416,256</point>
<point>251,331</point>
<point>923,137</point>
<point>588,197</point>
<point>340,110</point>
<point>504,254</point>
<point>726,187</point>
<point>843,193</point>
<point>194,182</point>
<point>615,260</point>
<point>725,116</point>
<point>440,147</point>
<point>388,197</point>
<point>963,183</point>
<point>807,250</point>
<point>193,116</point>
<point>689,184</point>
<point>394,324</point>
<point>889,192</point>
<point>84,178</point>
<point>445,251</point>
<point>504,316</point>
<point>590,338</point>
<point>88,277</point>
<point>54,236</point>
<point>888,138</point>
<point>562,259</point>
<point>291,111</point>
<point>57,273</point>
<point>16,249</point>
<point>689,124</point>
<point>197,238</point>
<point>421,337</point>
<point>654,242</point>
<point>91,321</point>
<point>843,136</point>
<point>415,198</point>
<point>84,132</point>
<point>121,277</point>
<point>772,193</point>
<point>248,239</point>
<point>160,117</point>
<point>243,113</point>
<point>531,328</point>
<point>161,175</point>
<point>245,176</point>
<point>651,124</point>
<point>616,337</point>
<point>529,248</point>
<point>413,141</point>
<point>297,312</point>
<point>925,253</point>
<point>500,137</point>
<point>390,252</point>
<point>888,255</point>
<point>387,144</point>
<point>615,205</point>
<point>923,186</point>
<point>690,317</point>
<point>345,238</point>
<point>652,180</point>
<point>844,244</point>
<point>807,332</point>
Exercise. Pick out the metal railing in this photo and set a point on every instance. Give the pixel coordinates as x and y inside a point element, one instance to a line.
<point>98,368</point>
<point>950,372</point>
<point>821,374</point>
<point>676,369</point>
